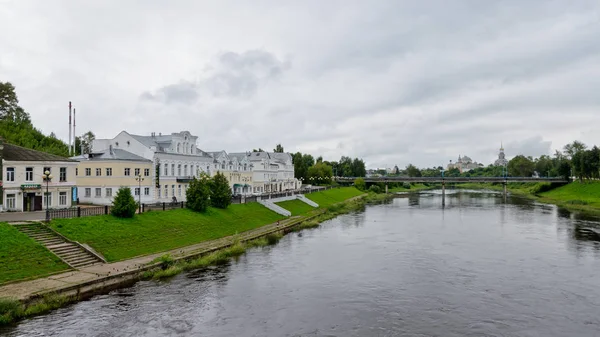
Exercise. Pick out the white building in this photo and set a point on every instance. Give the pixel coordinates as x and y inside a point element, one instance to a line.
<point>272,171</point>
<point>24,188</point>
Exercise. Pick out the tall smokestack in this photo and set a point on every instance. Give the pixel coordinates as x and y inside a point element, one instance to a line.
<point>74,133</point>
<point>70,148</point>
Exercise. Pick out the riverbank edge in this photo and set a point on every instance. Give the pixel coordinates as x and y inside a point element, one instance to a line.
<point>585,209</point>
<point>37,303</point>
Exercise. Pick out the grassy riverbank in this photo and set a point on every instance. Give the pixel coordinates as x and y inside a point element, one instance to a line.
<point>333,196</point>
<point>297,207</point>
<point>22,258</point>
<point>413,188</point>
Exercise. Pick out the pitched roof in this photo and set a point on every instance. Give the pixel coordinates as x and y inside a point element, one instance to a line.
<point>18,153</point>
<point>117,154</point>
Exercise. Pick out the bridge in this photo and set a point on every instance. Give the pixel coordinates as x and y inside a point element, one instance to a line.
<point>444,180</point>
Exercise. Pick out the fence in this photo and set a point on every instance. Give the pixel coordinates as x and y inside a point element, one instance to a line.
<point>79,212</point>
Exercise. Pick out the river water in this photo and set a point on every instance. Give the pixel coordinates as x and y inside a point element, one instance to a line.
<point>480,266</point>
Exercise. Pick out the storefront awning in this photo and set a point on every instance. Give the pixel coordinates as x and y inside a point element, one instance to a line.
<point>25,187</point>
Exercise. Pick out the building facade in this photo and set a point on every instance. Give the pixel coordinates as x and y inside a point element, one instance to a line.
<point>272,172</point>
<point>24,187</point>
<point>100,174</point>
<point>501,161</point>
<point>464,164</point>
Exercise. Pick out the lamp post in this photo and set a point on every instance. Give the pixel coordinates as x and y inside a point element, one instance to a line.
<point>47,177</point>
<point>139,179</point>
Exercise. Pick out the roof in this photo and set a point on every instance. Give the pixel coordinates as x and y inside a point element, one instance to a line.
<point>117,154</point>
<point>238,156</point>
<point>280,156</point>
<point>17,153</point>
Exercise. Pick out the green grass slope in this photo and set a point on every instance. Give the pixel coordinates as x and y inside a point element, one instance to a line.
<point>333,196</point>
<point>297,207</point>
<point>21,257</point>
<point>584,196</point>
<point>152,232</point>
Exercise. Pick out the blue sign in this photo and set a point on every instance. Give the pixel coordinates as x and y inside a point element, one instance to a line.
<point>74,193</point>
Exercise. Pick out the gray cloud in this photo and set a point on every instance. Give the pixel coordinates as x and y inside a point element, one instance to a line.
<point>393,82</point>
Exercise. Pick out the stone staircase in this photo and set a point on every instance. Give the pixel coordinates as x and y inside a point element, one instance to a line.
<point>275,208</point>
<point>70,252</point>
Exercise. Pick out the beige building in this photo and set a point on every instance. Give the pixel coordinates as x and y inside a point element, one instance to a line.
<point>100,175</point>
<point>24,187</point>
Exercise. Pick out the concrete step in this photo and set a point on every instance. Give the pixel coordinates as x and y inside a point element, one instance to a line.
<point>64,247</point>
<point>84,264</point>
<point>51,242</point>
<point>80,261</point>
<point>73,255</point>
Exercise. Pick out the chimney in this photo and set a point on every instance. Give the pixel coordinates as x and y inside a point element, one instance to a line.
<point>70,147</point>
<point>110,149</point>
<point>160,134</point>
<point>74,134</point>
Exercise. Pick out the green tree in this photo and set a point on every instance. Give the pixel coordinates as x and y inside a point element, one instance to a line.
<point>572,148</point>
<point>521,166</point>
<point>375,189</point>
<point>259,150</point>
<point>543,165</point>
<point>87,140</point>
<point>413,171</point>
<point>358,168</point>
<point>220,192</point>
<point>360,184</point>
<point>124,205</point>
<point>320,174</point>
<point>198,193</point>
<point>278,148</point>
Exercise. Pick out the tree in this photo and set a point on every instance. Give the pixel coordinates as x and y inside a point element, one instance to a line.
<point>360,184</point>
<point>9,105</point>
<point>543,165</point>
<point>259,150</point>
<point>571,149</point>
<point>413,171</point>
<point>124,205</point>
<point>220,192</point>
<point>278,149</point>
<point>87,140</point>
<point>358,168</point>
<point>396,170</point>
<point>302,162</point>
<point>320,174</point>
<point>521,166</point>
<point>198,193</point>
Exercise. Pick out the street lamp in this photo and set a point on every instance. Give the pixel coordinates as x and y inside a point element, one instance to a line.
<point>47,177</point>
<point>139,179</point>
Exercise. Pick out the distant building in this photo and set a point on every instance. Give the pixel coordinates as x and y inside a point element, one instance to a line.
<point>501,161</point>
<point>464,164</point>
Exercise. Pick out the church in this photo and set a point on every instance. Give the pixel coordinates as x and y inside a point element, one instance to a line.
<point>464,164</point>
<point>501,161</point>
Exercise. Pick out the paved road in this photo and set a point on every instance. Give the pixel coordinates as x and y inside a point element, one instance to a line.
<point>22,216</point>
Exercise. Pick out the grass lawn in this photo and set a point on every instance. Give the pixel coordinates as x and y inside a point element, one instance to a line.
<point>297,207</point>
<point>584,196</point>
<point>333,196</point>
<point>152,232</point>
<point>413,187</point>
<point>21,257</point>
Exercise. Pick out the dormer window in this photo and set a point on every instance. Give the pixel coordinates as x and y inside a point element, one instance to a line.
<point>116,143</point>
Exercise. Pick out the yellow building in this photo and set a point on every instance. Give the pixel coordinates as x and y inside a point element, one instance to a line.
<point>99,176</point>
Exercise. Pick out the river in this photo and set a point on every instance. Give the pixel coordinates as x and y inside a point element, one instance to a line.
<point>480,266</point>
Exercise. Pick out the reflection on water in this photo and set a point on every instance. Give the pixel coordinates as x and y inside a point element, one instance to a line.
<point>479,265</point>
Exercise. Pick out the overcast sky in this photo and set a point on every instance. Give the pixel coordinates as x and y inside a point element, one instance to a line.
<point>393,82</point>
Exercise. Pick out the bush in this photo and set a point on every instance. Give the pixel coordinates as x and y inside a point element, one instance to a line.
<point>220,192</point>
<point>360,184</point>
<point>124,205</point>
<point>406,185</point>
<point>375,189</point>
<point>198,193</point>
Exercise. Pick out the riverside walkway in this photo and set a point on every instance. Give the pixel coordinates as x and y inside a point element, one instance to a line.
<point>99,277</point>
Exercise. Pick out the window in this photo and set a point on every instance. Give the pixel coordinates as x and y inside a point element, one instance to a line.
<point>98,172</point>
<point>177,147</point>
<point>48,199</point>
<point>136,172</point>
<point>29,174</point>
<point>147,172</point>
<point>173,190</point>
<point>109,192</point>
<point>88,171</point>
<point>136,191</point>
<point>62,198</point>
<point>166,169</point>
<point>127,171</point>
<point>179,190</point>
<point>88,192</point>
<point>63,175</point>
<point>98,192</point>
<point>76,171</point>
<point>11,201</point>
<point>10,174</point>
<point>172,169</point>
<point>185,170</point>
<point>159,191</point>
<point>146,191</point>
<point>109,171</point>
<point>222,166</point>
<point>179,170</point>
<point>166,191</point>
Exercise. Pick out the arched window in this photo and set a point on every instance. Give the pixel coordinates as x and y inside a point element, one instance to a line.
<point>177,147</point>
<point>192,149</point>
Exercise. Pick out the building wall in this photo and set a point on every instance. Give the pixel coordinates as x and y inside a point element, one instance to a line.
<point>14,193</point>
<point>124,141</point>
<point>109,185</point>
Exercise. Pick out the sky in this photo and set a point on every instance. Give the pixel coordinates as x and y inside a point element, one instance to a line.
<point>392,82</point>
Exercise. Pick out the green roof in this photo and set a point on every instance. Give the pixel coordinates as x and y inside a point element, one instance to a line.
<point>17,153</point>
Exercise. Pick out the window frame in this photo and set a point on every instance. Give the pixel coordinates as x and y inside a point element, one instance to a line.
<point>29,174</point>
<point>10,174</point>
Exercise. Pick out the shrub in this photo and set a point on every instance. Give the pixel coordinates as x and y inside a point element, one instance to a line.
<point>375,189</point>
<point>406,185</point>
<point>360,184</point>
<point>124,206</point>
<point>220,193</point>
<point>198,193</point>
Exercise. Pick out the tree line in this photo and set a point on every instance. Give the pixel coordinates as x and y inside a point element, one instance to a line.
<point>320,172</point>
<point>16,127</point>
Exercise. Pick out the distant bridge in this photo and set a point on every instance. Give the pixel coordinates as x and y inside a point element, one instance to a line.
<point>444,180</point>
